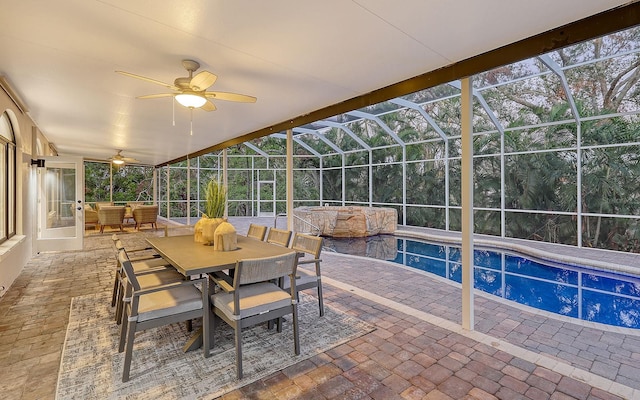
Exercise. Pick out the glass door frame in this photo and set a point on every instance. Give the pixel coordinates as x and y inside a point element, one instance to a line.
<point>70,236</point>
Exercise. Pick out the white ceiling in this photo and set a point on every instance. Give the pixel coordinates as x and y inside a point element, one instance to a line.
<point>294,56</point>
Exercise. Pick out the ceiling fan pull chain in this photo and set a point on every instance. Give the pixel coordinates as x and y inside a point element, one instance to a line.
<point>191,111</point>
<point>173,111</point>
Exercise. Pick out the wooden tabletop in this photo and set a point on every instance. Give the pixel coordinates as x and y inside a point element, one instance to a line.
<point>191,258</point>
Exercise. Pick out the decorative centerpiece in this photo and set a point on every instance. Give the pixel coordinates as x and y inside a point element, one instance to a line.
<point>226,238</point>
<point>216,198</point>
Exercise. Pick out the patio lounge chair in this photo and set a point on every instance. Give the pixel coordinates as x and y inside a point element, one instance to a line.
<point>145,215</point>
<point>90,215</point>
<point>110,216</point>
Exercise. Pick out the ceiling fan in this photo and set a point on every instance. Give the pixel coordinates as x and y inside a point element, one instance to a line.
<point>191,91</point>
<point>119,159</point>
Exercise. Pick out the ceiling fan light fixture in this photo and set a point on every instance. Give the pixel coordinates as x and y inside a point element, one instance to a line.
<point>190,100</point>
<point>117,161</point>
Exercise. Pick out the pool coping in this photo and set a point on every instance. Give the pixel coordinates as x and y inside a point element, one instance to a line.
<point>506,244</point>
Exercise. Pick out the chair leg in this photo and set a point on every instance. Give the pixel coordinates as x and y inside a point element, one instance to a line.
<point>123,330</point>
<point>320,301</point>
<point>114,294</point>
<point>206,320</point>
<point>212,323</point>
<point>119,305</point>
<point>238,352</point>
<point>123,291</point>
<point>296,339</point>
<point>131,333</point>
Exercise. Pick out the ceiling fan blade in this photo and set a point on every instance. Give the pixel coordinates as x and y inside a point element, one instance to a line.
<point>202,81</point>
<point>156,96</point>
<point>208,106</point>
<point>144,78</point>
<point>242,98</point>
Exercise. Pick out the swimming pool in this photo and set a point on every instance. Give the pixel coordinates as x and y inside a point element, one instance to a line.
<point>570,290</point>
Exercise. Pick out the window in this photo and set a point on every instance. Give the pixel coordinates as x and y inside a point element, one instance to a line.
<point>7,179</point>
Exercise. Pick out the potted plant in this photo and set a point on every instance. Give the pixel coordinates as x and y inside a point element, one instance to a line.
<point>215,202</point>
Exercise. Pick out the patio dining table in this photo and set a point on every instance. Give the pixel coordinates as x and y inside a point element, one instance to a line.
<point>191,258</point>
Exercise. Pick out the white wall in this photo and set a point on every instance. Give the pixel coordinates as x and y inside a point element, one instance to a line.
<point>18,250</point>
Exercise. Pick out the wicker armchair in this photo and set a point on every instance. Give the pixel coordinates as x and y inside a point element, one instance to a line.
<point>103,204</point>
<point>90,215</point>
<point>110,215</point>
<point>146,215</point>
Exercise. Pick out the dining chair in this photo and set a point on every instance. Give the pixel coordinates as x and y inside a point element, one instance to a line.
<point>257,231</point>
<point>147,252</point>
<point>158,305</point>
<point>279,236</point>
<point>146,256</point>
<point>161,270</point>
<point>311,246</point>
<point>254,297</point>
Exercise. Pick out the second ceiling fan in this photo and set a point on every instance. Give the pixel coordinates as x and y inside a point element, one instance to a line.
<point>191,91</point>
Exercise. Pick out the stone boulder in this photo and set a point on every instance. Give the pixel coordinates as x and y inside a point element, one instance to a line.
<point>346,221</point>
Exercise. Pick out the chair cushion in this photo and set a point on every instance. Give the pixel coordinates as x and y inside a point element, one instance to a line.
<point>256,298</point>
<point>167,302</point>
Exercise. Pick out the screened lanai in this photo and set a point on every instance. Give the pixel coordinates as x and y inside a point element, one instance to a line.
<point>553,142</point>
<point>555,154</point>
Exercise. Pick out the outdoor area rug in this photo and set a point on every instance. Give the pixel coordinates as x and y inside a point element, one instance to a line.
<point>91,366</point>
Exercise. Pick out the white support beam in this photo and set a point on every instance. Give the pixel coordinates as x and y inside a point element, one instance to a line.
<point>188,191</point>
<point>306,146</point>
<point>467,204</point>
<point>167,191</point>
<point>289,179</point>
<point>154,185</point>
<point>321,137</point>
<point>225,181</point>
<point>421,111</point>
<point>111,182</point>
<point>256,149</point>
<point>381,124</point>
<point>345,130</point>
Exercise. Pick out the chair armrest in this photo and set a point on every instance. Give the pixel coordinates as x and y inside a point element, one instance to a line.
<point>223,280</point>
<point>139,249</point>
<point>144,258</point>
<point>309,261</point>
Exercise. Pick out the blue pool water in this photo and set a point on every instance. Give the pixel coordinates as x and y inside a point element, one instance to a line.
<point>573,291</point>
